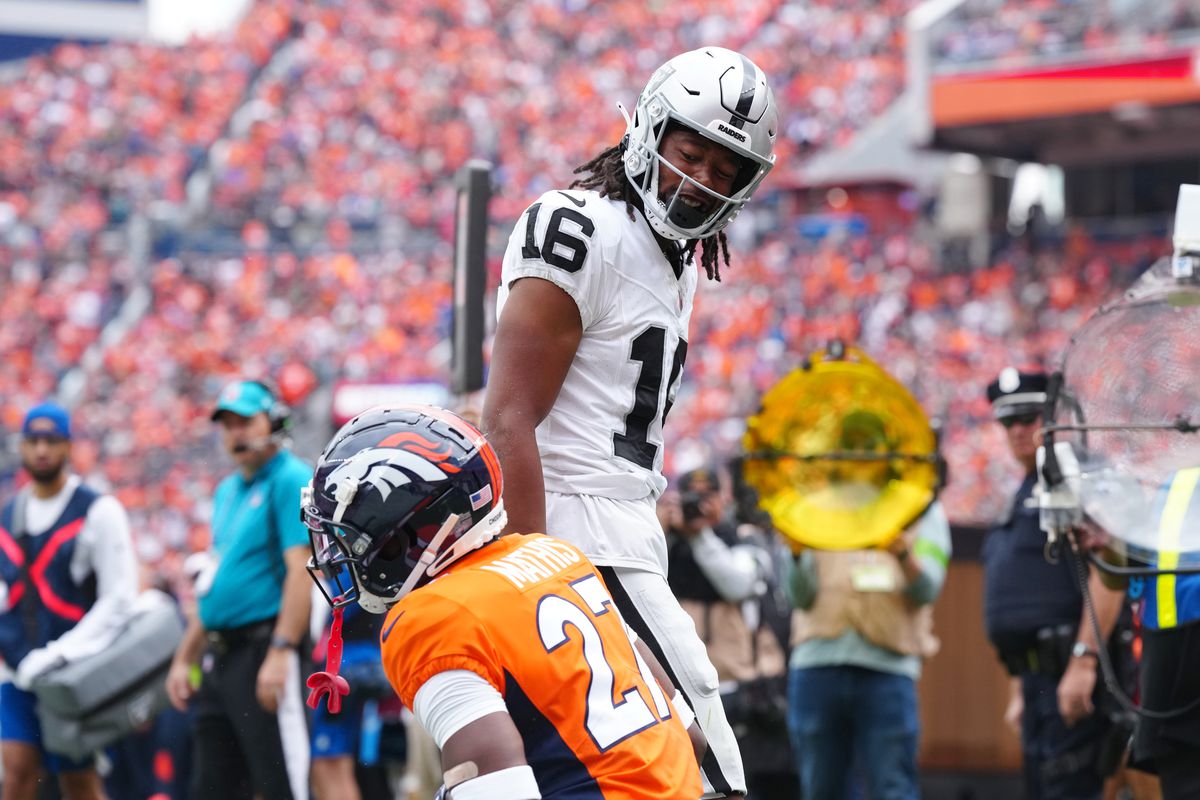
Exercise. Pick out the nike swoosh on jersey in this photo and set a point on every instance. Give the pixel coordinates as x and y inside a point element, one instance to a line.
<point>579,203</point>
<point>387,631</point>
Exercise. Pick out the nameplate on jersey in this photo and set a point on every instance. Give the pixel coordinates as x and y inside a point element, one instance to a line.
<point>873,578</point>
<point>534,562</point>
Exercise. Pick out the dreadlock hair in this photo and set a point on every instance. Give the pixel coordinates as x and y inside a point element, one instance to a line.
<point>606,174</point>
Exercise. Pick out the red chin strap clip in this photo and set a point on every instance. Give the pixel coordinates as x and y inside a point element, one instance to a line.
<point>329,682</point>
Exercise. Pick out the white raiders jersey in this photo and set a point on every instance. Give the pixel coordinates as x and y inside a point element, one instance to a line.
<point>604,435</point>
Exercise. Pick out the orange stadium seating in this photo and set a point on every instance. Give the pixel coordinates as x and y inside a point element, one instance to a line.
<point>321,244</point>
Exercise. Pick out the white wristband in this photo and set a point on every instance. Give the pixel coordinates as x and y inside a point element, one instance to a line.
<point>514,783</point>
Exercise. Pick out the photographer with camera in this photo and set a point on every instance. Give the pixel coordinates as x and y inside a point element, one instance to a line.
<point>722,571</point>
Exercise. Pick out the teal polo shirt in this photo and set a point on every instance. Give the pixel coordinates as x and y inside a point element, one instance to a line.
<point>254,522</point>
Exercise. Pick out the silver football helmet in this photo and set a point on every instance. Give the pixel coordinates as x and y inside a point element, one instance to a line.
<point>720,95</point>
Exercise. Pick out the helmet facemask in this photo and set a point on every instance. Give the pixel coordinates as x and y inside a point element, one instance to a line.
<point>390,567</point>
<point>697,92</point>
<point>674,218</point>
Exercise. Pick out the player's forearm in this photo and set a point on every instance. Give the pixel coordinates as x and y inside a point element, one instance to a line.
<point>524,487</point>
<point>1107,604</point>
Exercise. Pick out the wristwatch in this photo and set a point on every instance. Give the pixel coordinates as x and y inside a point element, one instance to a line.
<point>282,643</point>
<point>1080,650</point>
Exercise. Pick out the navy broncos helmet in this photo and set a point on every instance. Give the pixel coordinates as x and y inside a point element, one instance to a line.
<point>399,493</point>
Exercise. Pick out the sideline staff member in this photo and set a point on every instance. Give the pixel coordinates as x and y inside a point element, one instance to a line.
<point>253,605</point>
<point>68,571</point>
<point>1170,677</point>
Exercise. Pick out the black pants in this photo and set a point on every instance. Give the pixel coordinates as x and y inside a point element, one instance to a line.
<point>1060,762</point>
<point>1179,775</point>
<point>1170,683</point>
<point>242,750</point>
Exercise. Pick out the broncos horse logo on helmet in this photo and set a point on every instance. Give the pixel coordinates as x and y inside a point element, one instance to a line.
<point>399,493</point>
<point>384,468</point>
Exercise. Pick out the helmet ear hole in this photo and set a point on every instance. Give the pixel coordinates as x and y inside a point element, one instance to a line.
<point>394,548</point>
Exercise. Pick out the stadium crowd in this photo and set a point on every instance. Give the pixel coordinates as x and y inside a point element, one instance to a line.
<point>89,135</point>
<point>995,33</point>
<point>308,124</point>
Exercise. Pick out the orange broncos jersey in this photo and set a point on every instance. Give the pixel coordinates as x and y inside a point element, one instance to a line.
<point>532,617</point>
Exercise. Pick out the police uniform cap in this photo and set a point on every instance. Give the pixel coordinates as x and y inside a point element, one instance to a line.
<point>1015,393</point>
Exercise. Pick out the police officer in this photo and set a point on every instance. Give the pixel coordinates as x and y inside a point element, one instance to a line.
<point>253,611</point>
<point>67,570</point>
<point>1035,617</point>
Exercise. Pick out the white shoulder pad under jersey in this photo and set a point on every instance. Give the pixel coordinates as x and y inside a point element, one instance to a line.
<point>604,435</point>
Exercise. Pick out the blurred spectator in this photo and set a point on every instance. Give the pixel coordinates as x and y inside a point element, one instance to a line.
<point>346,747</point>
<point>865,627</point>
<point>1006,33</point>
<point>1168,739</point>
<point>423,769</point>
<point>723,572</point>
<point>1038,623</point>
<point>155,762</point>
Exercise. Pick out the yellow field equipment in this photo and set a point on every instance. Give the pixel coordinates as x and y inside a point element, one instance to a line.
<point>841,454</point>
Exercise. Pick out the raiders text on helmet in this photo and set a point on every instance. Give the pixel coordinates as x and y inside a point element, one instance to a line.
<point>399,494</point>
<point>722,96</point>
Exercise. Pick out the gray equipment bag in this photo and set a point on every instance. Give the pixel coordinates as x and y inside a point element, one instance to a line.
<point>88,704</point>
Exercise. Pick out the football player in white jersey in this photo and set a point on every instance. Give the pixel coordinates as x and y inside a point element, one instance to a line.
<point>594,305</point>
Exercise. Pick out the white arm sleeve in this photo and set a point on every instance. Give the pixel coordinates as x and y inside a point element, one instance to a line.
<point>733,571</point>
<point>108,550</point>
<point>514,783</point>
<point>451,700</point>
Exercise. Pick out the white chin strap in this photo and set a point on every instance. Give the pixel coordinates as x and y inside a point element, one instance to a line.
<point>428,555</point>
<point>430,564</point>
<point>479,534</point>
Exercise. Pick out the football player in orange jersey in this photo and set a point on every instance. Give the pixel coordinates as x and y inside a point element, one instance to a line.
<point>507,649</point>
